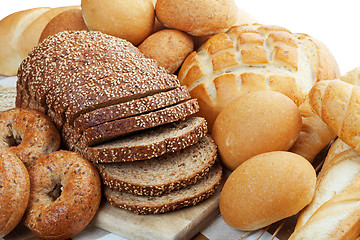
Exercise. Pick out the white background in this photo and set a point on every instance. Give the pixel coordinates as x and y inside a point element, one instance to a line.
<point>335,23</point>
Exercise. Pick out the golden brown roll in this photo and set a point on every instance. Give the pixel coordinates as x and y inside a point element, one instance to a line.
<point>197,17</point>
<point>132,20</point>
<point>259,122</point>
<point>70,20</point>
<point>168,47</point>
<point>265,189</point>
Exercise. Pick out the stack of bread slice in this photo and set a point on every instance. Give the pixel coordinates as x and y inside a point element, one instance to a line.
<point>125,114</point>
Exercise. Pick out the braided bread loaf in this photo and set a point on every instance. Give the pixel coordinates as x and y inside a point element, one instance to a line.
<point>254,57</point>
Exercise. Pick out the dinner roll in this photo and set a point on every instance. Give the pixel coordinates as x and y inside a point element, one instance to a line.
<point>70,20</point>
<point>265,189</point>
<point>197,17</point>
<point>259,122</point>
<point>168,47</point>
<point>132,20</point>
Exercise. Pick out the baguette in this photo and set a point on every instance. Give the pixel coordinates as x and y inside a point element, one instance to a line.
<point>20,32</point>
<point>314,136</point>
<point>338,105</point>
<point>334,212</point>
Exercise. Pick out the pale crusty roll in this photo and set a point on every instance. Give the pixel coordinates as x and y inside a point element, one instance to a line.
<point>254,57</point>
<point>10,28</point>
<point>19,33</point>
<point>338,105</point>
<point>314,136</point>
<point>334,212</point>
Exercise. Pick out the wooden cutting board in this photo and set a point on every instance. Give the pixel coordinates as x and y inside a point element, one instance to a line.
<point>181,224</point>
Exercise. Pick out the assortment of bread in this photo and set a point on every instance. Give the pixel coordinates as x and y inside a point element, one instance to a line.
<point>150,99</point>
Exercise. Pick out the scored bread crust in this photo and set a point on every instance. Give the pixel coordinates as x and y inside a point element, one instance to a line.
<point>254,57</point>
<point>334,212</point>
<point>149,144</point>
<point>111,130</point>
<point>178,169</point>
<point>184,197</point>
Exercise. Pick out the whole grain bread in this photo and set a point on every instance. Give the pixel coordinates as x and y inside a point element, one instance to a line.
<point>148,144</point>
<point>164,174</point>
<point>184,197</point>
<point>111,130</point>
<point>130,108</point>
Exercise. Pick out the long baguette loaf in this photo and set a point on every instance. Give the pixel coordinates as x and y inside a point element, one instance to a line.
<point>338,105</point>
<point>314,136</point>
<point>334,212</point>
<point>20,32</point>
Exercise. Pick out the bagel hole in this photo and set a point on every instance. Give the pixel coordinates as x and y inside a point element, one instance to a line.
<point>56,192</point>
<point>14,139</point>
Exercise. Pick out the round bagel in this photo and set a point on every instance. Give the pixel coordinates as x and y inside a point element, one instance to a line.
<point>65,195</point>
<point>14,191</point>
<point>28,133</point>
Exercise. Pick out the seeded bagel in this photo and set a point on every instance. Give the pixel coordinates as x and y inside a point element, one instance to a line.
<point>28,133</point>
<point>14,191</point>
<point>65,195</point>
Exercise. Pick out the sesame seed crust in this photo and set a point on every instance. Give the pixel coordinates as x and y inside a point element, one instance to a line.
<point>184,197</point>
<point>151,143</point>
<point>111,130</point>
<point>73,71</point>
<point>164,174</point>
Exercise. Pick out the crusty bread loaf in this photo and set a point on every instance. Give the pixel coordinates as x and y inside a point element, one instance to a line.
<point>164,174</point>
<point>148,144</point>
<point>10,28</point>
<point>69,20</point>
<point>254,57</point>
<point>174,200</point>
<point>314,136</point>
<point>334,212</point>
<point>95,70</point>
<point>193,16</point>
<point>352,76</point>
<point>338,104</point>
<point>132,20</point>
<point>168,47</point>
<point>259,122</point>
<point>267,188</point>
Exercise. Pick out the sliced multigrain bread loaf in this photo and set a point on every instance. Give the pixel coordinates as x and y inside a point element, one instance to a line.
<point>112,130</point>
<point>163,174</point>
<point>184,197</point>
<point>130,108</point>
<point>148,144</point>
<point>71,72</point>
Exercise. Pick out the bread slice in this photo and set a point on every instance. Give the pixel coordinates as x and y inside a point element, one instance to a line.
<point>111,130</point>
<point>130,108</point>
<point>164,174</point>
<point>148,144</point>
<point>184,197</point>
